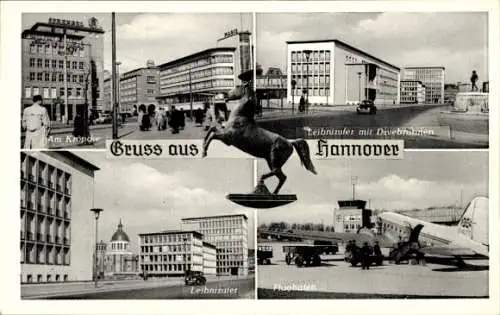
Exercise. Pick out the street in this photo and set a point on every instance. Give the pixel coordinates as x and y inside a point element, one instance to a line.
<point>241,288</point>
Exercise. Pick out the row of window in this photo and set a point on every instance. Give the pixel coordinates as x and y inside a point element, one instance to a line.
<point>55,77</point>
<point>166,268</point>
<point>204,223</point>
<point>316,69</point>
<point>127,92</point>
<point>37,171</point>
<point>48,278</point>
<point>165,258</point>
<point>55,63</point>
<point>228,83</point>
<point>312,80</point>
<point>47,255</point>
<point>51,93</point>
<point>314,91</point>
<point>128,99</point>
<point>198,75</point>
<point>166,248</point>
<point>219,58</point>
<point>57,49</point>
<point>316,55</point>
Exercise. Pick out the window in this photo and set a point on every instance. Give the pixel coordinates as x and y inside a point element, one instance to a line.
<point>61,91</point>
<point>80,65</point>
<point>32,76</point>
<point>39,63</point>
<point>46,93</point>
<point>75,78</point>
<point>54,64</point>
<point>32,62</point>
<point>61,77</point>
<point>32,48</point>
<point>27,92</point>
<point>68,64</point>
<point>53,92</point>
<point>39,76</point>
<point>47,63</point>
<point>74,65</point>
<point>80,78</point>
<point>54,77</point>
<point>47,76</point>
<point>36,91</point>
<point>70,92</point>
<point>61,64</point>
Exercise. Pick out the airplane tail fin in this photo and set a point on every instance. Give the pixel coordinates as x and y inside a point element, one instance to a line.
<point>474,221</point>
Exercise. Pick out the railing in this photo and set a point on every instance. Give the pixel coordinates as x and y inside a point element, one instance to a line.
<point>51,185</point>
<point>50,211</point>
<point>39,237</point>
<point>40,180</point>
<point>30,205</point>
<point>58,240</point>
<point>31,178</point>
<point>58,188</point>
<point>41,207</point>
<point>29,236</point>
<point>49,238</point>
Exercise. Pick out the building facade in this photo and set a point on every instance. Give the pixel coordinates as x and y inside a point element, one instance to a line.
<point>412,92</point>
<point>271,88</point>
<point>351,216</point>
<point>50,49</point>
<point>139,86</point>
<point>119,260</point>
<point>197,77</point>
<point>335,73</point>
<point>229,233</point>
<point>106,95</point>
<point>56,224</point>
<point>432,78</point>
<point>209,259</point>
<point>101,259</point>
<point>172,253</point>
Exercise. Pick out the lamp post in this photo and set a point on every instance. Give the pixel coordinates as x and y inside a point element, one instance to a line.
<point>96,211</point>
<point>293,83</point>
<point>307,52</point>
<point>359,85</point>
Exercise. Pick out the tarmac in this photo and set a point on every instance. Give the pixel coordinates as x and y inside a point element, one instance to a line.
<point>337,279</point>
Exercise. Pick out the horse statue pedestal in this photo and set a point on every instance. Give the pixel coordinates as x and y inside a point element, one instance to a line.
<point>261,198</point>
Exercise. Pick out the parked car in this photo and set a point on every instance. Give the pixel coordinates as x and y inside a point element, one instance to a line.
<point>104,119</point>
<point>366,107</point>
<point>194,278</point>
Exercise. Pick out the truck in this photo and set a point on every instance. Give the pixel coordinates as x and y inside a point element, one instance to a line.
<point>303,255</point>
<point>264,254</point>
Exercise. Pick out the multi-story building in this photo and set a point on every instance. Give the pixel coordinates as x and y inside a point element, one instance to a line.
<point>50,49</point>
<point>229,233</point>
<point>331,72</point>
<point>106,92</point>
<point>431,77</point>
<point>241,40</point>
<point>412,92</point>
<point>351,216</point>
<point>271,88</point>
<point>197,77</point>
<point>56,225</point>
<point>119,259</point>
<point>209,259</point>
<point>139,86</point>
<point>172,253</point>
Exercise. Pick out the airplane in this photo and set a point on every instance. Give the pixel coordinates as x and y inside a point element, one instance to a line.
<point>469,238</point>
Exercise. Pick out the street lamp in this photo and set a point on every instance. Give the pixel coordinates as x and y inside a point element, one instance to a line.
<point>293,83</point>
<point>359,85</point>
<point>307,52</point>
<point>96,211</point>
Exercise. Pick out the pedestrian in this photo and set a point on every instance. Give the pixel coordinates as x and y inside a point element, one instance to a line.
<point>302,104</point>
<point>378,253</point>
<point>182,119</point>
<point>365,256</point>
<point>174,120</point>
<point>79,125</point>
<point>140,114</point>
<point>36,122</point>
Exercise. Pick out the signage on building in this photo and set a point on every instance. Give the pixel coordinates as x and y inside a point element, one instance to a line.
<point>61,22</point>
<point>230,33</point>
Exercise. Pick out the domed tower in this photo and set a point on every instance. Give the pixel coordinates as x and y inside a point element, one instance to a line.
<point>118,256</point>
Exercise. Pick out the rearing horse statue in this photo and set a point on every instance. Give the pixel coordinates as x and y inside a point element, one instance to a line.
<point>243,132</point>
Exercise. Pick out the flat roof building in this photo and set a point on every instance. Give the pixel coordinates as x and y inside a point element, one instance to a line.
<point>412,92</point>
<point>139,86</point>
<point>229,233</point>
<point>57,240</point>
<point>431,77</point>
<point>51,48</point>
<point>172,253</point>
<point>332,72</point>
<point>199,76</point>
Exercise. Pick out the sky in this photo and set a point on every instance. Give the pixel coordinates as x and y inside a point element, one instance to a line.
<point>153,195</point>
<point>421,179</point>
<point>457,41</point>
<point>161,37</point>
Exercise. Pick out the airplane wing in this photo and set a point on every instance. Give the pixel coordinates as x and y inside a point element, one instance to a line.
<point>447,251</point>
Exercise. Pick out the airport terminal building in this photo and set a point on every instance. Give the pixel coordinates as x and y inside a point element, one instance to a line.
<point>57,228</point>
<point>335,73</point>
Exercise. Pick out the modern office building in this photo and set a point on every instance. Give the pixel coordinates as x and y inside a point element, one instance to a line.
<point>335,73</point>
<point>57,228</point>
<point>120,260</point>
<point>243,54</point>
<point>351,216</point>
<point>139,86</point>
<point>51,48</point>
<point>412,92</point>
<point>197,77</point>
<point>172,253</point>
<point>431,77</point>
<point>106,94</point>
<point>229,233</point>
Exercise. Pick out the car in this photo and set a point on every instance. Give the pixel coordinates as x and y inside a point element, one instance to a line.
<point>194,278</point>
<point>366,107</point>
<point>103,119</point>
